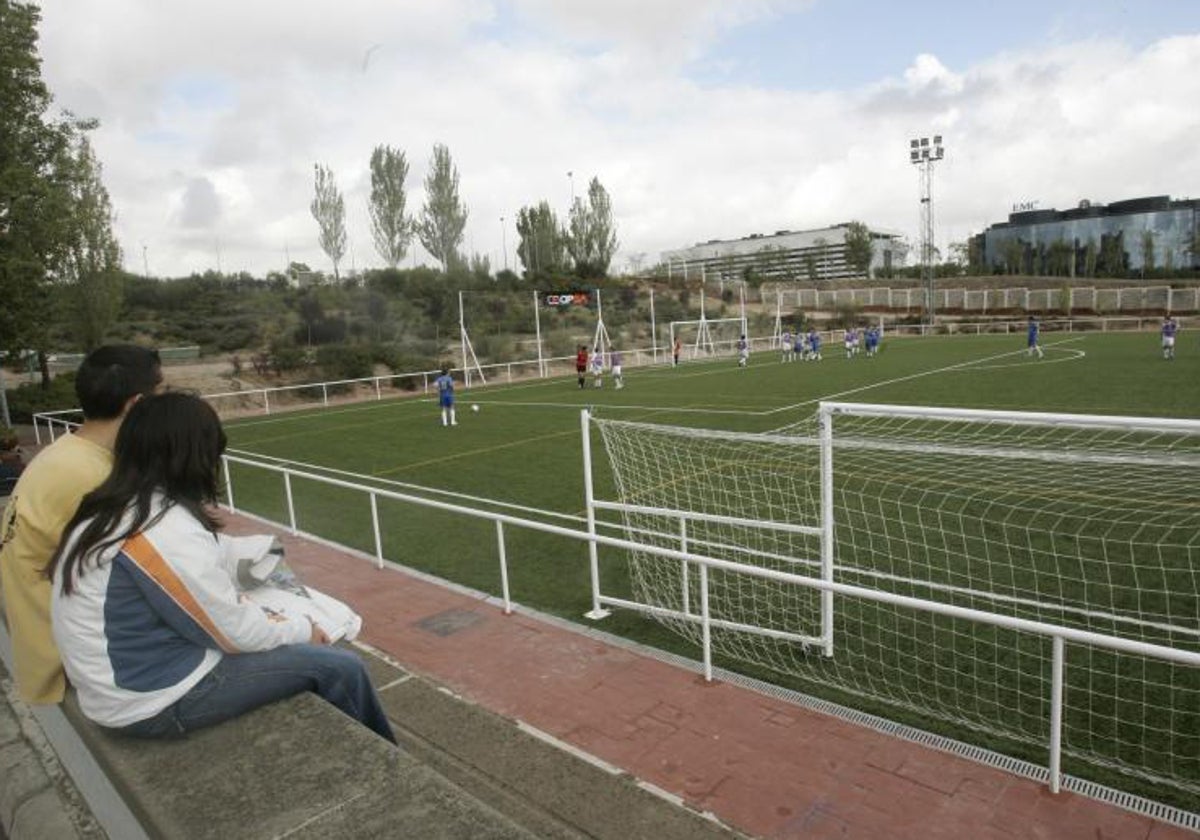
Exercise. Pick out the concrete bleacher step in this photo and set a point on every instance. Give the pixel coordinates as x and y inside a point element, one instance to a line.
<point>298,768</point>
<point>551,791</point>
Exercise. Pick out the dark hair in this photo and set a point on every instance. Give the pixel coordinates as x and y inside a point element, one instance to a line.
<point>111,375</point>
<point>169,444</point>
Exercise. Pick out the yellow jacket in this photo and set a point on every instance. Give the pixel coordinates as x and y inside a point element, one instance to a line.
<point>46,496</point>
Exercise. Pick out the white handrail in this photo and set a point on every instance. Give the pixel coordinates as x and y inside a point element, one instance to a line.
<point>51,418</point>
<point>1059,635</point>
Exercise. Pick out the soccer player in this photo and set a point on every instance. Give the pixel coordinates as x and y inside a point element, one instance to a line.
<point>445,386</point>
<point>581,363</point>
<point>614,361</point>
<point>814,345</point>
<point>1169,328</point>
<point>801,347</point>
<point>849,340</point>
<point>675,351</point>
<point>109,382</point>
<point>872,340</point>
<point>1031,338</point>
<point>785,341</point>
<point>597,368</point>
<point>743,348</point>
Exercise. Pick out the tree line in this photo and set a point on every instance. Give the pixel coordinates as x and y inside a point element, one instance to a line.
<point>584,246</point>
<point>59,259</point>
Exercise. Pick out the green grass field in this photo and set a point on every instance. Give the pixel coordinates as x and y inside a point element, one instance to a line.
<point>522,451</point>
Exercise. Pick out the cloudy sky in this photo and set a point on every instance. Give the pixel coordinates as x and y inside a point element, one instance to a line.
<point>704,119</point>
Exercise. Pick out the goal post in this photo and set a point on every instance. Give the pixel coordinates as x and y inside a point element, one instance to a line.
<point>707,336</point>
<point>1034,578</point>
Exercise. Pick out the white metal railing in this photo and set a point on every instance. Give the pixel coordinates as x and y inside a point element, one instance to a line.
<point>65,419</point>
<point>982,301</point>
<point>1058,635</point>
<point>828,587</point>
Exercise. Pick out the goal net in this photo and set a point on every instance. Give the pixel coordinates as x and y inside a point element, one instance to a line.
<point>1069,523</point>
<point>707,337</point>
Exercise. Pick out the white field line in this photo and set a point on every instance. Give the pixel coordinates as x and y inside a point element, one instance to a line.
<point>973,363</point>
<point>710,370</point>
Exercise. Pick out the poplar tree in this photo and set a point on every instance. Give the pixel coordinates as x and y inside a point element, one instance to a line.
<point>444,216</point>
<point>391,227</point>
<point>329,209</point>
<point>591,236</point>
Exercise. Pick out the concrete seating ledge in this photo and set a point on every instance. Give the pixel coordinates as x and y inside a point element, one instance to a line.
<point>299,768</point>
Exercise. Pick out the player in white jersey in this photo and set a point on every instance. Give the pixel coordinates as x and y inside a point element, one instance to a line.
<point>743,349</point>
<point>597,368</point>
<point>1169,328</point>
<point>785,344</point>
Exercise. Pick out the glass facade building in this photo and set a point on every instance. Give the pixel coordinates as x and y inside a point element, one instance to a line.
<point>1118,239</point>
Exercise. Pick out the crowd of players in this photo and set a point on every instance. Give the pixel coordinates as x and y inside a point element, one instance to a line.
<point>806,346</point>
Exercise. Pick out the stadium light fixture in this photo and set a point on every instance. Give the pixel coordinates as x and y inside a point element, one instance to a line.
<point>924,152</point>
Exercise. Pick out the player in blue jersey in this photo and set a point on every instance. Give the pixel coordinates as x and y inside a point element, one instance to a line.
<point>872,340</point>
<point>743,349</point>
<point>1169,328</point>
<point>814,345</point>
<point>1031,338</point>
<point>445,387</point>
<point>800,347</point>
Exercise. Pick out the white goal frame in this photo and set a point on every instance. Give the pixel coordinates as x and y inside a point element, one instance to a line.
<point>699,559</point>
<point>704,342</point>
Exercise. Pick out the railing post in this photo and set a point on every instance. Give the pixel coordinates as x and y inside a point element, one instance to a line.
<point>826,433</point>
<point>705,623</point>
<point>37,434</point>
<point>266,401</point>
<point>1056,704</point>
<point>596,612</point>
<point>375,528</point>
<point>503,567</point>
<point>378,392</point>
<point>683,546</point>
<point>228,485</point>
<point>324,393</point>
<point>287,489</point>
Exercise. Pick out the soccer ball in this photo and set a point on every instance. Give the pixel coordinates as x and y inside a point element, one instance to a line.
<point>475,408</point>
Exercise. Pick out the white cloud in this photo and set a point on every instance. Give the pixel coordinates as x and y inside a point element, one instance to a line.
<point>232,103</point>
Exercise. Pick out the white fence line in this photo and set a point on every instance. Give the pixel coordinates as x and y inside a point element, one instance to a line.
<point>65,419</point>
<point>1063,298</point>
<point>1059,635</point>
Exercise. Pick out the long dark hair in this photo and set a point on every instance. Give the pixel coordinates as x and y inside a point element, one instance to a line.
<point>169,444</point>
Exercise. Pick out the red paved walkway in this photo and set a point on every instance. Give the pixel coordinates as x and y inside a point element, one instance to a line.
<point>762,765</point>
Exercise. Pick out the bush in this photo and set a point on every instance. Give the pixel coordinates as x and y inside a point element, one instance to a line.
<point>341,361</point>
<point>30,399</point>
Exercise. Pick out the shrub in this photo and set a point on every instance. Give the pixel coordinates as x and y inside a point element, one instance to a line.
<point>31,398</point>
<point>342,361</point>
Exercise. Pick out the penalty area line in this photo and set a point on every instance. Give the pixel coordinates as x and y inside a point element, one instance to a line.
<point>946,369</point>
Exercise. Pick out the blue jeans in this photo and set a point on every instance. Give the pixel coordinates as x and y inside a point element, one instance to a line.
<point>245,681</point>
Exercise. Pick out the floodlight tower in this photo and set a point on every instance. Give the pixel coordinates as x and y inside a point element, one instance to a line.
<point>923,152</point>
